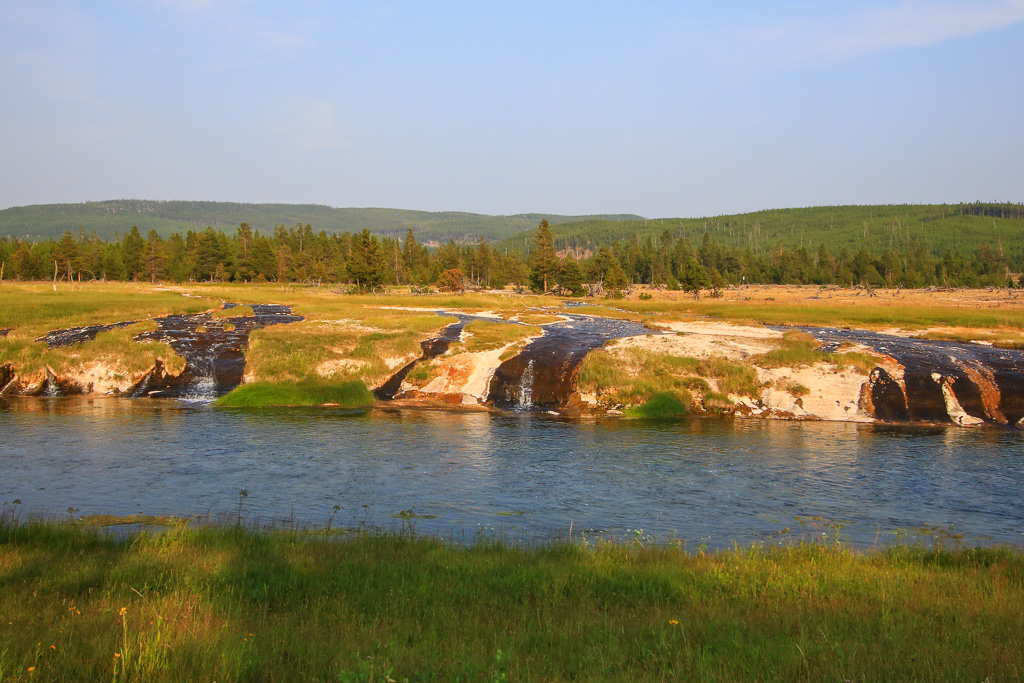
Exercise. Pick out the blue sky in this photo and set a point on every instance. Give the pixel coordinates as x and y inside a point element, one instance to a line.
<point>657,108</point>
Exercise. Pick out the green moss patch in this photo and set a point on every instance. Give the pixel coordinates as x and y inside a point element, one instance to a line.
<point>661,406</point>
<point>350,394</point>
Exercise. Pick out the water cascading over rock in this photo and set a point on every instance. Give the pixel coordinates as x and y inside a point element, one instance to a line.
<point>213,349</point>
<point>432,348</point>
<point>549,366</point>
<point>938,381</point>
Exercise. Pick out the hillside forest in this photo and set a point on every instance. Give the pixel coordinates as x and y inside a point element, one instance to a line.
<point>542,260</point>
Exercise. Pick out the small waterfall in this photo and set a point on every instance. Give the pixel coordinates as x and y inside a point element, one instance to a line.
<point>524,393</point>
<point>543,374</point>
<point>202,389</point>
<point>214,356</point>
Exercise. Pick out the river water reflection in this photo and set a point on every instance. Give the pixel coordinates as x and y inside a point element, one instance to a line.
<point>710,481</point>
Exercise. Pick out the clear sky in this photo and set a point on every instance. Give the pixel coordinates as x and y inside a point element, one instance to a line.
<point>686,108</point>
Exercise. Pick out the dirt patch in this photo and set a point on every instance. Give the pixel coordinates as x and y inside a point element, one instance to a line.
<point>829,395</point>
<point>701,339</point>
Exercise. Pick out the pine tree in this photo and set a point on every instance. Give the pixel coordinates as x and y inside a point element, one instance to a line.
<point>153,256</point>
<point>571,277</point>
<point>615,279</point>
<point>365,261</point>
<point>543,259</point>
<point>67,251</point>
<point>694,278</point>
<point>131,253</point>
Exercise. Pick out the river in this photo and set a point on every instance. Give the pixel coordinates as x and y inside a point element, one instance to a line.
<point>528,478</point>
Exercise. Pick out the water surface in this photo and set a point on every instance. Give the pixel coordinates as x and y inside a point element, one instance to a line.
<point>529,477</point>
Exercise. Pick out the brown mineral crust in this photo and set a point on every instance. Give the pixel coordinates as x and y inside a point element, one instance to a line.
<point>887,401</point>
<point>989,392</point>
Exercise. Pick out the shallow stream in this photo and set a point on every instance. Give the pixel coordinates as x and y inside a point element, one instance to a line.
<point>528,477</point>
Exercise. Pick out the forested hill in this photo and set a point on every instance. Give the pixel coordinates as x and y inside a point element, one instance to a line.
<point>961,228</point>
<point>109,218</point>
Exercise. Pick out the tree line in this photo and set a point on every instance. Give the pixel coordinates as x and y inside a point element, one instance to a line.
<point>368,262</point>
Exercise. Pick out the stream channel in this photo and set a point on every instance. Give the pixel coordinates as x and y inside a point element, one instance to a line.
<point>526,476</point>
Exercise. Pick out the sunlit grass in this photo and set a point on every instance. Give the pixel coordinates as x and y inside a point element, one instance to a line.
<point>115,348</point>
<point>487,335</point>
<point>309,392</point>
<point>354,346</point>
<point>799,349</point>
<point>36,309</point>
<point>233,604</point>
<point>635,376</point>
<point>866,313</point>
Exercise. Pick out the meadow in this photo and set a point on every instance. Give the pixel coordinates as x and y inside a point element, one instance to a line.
<point>201,602</point>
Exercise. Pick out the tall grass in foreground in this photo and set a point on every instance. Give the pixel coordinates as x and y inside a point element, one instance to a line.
<point>235,604</point>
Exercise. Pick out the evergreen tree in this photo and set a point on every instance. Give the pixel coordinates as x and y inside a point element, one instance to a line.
<point>132,248</point>
<point>177,266</point>
<point>571,277</point>
<point>365,261</point>
<point>615,279</point>
<point>67,251</point>
<point>25,264</point>
<point>543,259</point>
<point>483,263</point>
<point>694,278</point>
<point>515,269</point>
<point>112,267</point>
<point>153,256</point>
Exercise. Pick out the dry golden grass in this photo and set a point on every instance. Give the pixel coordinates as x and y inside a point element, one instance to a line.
<point>1001,310</point>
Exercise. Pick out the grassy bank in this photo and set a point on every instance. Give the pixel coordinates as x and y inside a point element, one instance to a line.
<point>638,376</point>
<point>346,338</point>
<point>234,604</point>
<point>310,392</point>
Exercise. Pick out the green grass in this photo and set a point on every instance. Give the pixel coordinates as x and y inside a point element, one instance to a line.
<point>666,404</point>
<point>487,335</point>
<point>637,377</point>
<point>115,348</point>
<point>350,394</point>
<point>799,349</point>
<point>36,309</point>
<point>233,604</point>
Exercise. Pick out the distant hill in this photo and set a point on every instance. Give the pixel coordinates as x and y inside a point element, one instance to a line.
<point>108,218</point>
<point>934,228</point>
